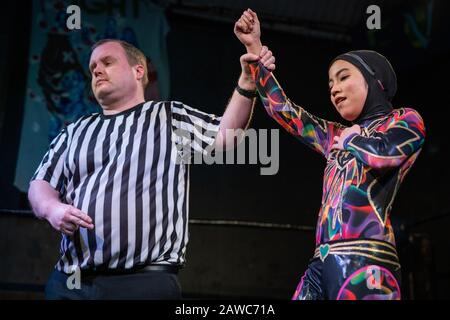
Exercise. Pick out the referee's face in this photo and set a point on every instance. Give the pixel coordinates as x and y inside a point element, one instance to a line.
<point>113,79</point>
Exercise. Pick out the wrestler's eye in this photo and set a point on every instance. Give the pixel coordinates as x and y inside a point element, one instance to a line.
<point>344,77</point>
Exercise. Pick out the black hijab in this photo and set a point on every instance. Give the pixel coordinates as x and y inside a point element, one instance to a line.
<point>380,78</point>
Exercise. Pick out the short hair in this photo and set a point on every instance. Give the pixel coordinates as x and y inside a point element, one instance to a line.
<point>133,54</point>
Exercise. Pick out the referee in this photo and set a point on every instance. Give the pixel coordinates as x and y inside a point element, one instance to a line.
<point>113,185</point>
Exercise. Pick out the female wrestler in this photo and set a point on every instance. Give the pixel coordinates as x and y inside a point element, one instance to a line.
<point>355,256</point>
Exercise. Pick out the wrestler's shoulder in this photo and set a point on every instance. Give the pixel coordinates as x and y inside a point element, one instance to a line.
<point>407,113</point>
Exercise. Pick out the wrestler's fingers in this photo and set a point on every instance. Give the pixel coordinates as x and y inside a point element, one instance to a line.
<point>253,14</point>
<point>247,21</point>
<point>248,16</point>
<point>239,25</point>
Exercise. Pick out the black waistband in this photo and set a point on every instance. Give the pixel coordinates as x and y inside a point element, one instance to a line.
<point>165,268</point>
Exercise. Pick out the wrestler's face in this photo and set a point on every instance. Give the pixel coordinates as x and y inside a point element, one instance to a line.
<point>113,78</point>
<point>348,89</point>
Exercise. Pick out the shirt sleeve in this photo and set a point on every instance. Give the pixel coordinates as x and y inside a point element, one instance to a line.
<point>404,136</point>
<point>194,130</point>
<point>51,168</point>
<point>313,131</point>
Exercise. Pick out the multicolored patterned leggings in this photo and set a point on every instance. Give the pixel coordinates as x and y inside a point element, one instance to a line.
<point>352,270</point>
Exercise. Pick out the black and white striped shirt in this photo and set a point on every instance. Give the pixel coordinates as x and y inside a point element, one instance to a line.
<point>125,172</point>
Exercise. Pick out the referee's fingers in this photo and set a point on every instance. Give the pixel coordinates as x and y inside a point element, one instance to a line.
<point>69,228</point>
<point>77,221</point>
<point>80,214</point>
<point>79,218</point>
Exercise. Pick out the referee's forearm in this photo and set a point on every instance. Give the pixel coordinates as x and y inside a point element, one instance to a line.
<point>238,113</point>
<point>236,116</point>
<point>41,196</point>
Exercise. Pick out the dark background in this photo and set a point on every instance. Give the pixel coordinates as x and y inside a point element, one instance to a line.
<point>242,262</point>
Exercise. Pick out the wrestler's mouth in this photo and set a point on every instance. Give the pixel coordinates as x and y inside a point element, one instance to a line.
<point>338,100</point>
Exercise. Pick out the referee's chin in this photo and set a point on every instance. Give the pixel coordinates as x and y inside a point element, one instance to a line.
<point>104,97</point>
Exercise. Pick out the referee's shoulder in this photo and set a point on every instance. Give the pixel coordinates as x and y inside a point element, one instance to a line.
<point>171,103</point>
<point>171,106</point>
<point>82,120</point>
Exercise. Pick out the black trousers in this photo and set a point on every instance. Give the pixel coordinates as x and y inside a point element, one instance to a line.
<point>148,285</point>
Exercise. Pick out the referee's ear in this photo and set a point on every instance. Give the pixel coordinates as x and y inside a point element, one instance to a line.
<point>139,72</point>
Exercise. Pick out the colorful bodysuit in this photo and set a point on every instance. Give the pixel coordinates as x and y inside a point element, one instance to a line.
<point>355,256</point>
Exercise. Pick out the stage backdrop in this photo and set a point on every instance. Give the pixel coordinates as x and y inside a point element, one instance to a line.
<point>58,84</point>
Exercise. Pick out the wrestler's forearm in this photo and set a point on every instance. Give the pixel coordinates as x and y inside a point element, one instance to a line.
<point>310,129</point>
<point>255,47</point>
<point>275,101</point>
<point>391,147</point>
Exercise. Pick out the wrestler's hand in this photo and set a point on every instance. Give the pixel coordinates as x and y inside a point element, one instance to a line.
<point>339,140</point>
<point>247,30</point>
<point>67,219</point>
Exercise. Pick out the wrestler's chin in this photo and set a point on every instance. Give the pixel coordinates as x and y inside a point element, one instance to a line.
<point>348,113</point>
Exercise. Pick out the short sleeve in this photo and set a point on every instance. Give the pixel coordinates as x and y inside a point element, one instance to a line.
<point>51,168</point>
<point>194,129</point>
